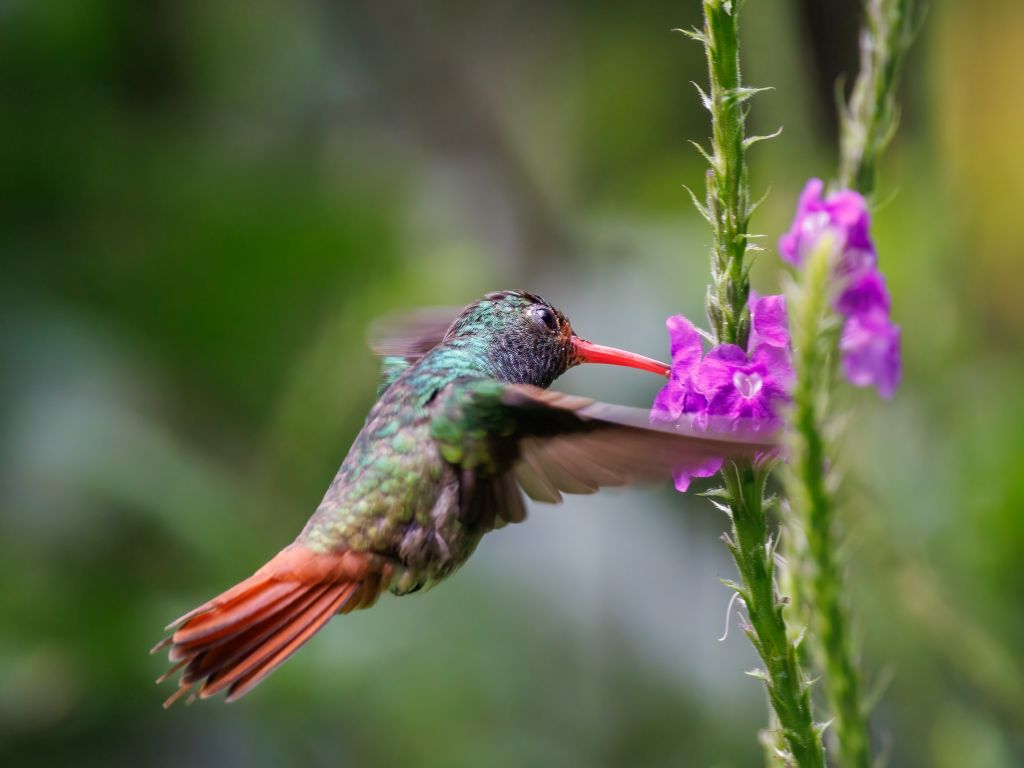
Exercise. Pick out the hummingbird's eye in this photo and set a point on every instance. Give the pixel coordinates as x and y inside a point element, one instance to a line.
<point>545,317</point>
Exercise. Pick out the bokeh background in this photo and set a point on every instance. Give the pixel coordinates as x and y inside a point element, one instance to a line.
<point>204,204</point>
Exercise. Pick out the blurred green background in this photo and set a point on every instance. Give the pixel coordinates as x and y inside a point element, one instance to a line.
<point>204,204</point>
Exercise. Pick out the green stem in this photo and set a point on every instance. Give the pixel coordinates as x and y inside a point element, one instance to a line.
<point>728,192</point>
<point>869,121</point>
<point>728,211</point>
<point>870,118</point>
<point>811,501</point>
<point>753,551</point>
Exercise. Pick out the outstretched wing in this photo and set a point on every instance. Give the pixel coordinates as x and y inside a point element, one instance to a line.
<point>573,444</point>
<point>553,443</point>
<point>404,338</point>
<point>410,335</point>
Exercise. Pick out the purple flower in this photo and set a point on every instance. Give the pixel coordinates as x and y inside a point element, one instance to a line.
<point>843,215</point>
<point>870,343</point>
<point>727,388</point>
<point>865,293</point>
<point>738,387</point>
<point>678,396</point>
<point>870,348</point>
<point>683,477</point>
<point>768,321</point>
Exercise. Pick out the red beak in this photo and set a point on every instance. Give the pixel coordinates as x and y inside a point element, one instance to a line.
<point>588,352</point>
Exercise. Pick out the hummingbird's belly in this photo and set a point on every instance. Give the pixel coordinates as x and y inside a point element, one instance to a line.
<point>433,546</point>
<point>403,506</point>
<point>396,497</point>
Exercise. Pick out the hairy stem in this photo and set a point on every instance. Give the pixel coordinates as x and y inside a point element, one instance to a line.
<point>868,123</point>
<point>728,192</point>
<point>870,118</point>
<point>753,550</point>
<point>811,501</point>
<point>728,211</point>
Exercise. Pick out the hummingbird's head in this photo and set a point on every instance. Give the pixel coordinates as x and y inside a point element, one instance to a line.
<point>528,341</point>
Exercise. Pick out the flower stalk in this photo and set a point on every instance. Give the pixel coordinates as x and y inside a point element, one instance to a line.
<point>753,550</point>
<point>810,498</point>
<point>728,210</point>
<point>728,206</point>
<point>868,123</point>
<point>870,118</point>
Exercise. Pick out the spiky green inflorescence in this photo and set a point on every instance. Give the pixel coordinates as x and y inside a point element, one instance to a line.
<point>753,549</point>
<point>728,209</point>
<point>868,123</point>
<point>727,201</point>
<point>869,120</point>
<point>813,538</point>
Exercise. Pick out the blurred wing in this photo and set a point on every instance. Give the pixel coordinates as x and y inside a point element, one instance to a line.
<point>552,443</point>
<point>403,339</point>
<point>572,444</point>
<point>410,335</point>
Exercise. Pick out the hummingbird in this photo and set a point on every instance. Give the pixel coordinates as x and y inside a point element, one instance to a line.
<point>463,426</point>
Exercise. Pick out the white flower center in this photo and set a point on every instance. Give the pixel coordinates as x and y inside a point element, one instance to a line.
<point>747,384</point>
<point>816,226</point>
<point>814,223</point>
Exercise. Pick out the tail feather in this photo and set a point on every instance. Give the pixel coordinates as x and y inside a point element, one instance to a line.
<point>239,637</point>
<point>254,651</point>
<point>224,655</point>
<point>245,677</point>
<point>219,624</point>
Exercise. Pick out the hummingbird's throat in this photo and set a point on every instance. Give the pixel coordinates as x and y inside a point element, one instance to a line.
<point>588,352</point>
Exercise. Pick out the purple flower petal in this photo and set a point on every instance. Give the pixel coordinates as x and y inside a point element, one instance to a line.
<point>682,477</point>
<point>866,293</point>
<point>668,403</point>
<point>854,261</point>
<point>745,390</point>
<point>769,322</point>
<point>678,396</point>
<point>848,213</point>
<point>777,365</point>
<point>686,343</point>
<point>715,372</point>
<point>676,399</point>
<point>843,214</point>
<point>870,348</point>
<point>791,244</point>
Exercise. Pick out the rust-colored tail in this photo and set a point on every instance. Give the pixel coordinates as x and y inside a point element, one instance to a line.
<point>242,635</point>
